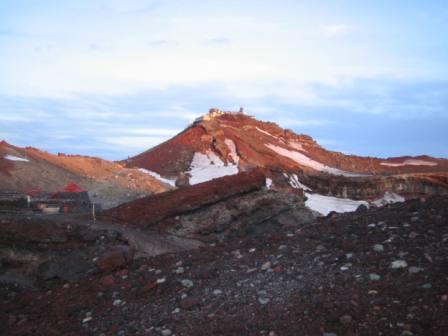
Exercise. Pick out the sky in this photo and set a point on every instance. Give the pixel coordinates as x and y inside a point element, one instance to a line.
<point>112,78</point>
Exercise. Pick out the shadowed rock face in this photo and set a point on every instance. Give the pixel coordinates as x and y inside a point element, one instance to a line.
<point>35,250</point>
<point>218,209</point>
<point>39,251</point>
<point>240,215</point>
<point>150,210</point>
<point>408,185</point>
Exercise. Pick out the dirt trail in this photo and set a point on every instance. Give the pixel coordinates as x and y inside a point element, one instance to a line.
<point>148,243</point>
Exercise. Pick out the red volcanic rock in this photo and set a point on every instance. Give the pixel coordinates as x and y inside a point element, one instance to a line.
<point>268,146</point>
<point>107,280</point>
<point>154,208</point>
<point>149,287</point>
<point>117,257</point>
<point>170,158</point>
<point>189,303</point>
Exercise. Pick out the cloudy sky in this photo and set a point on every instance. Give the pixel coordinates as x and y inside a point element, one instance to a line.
<point>112,78</point>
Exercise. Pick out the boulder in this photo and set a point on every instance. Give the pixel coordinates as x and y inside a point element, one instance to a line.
<point>69,268</point>
<point>182,181</point>
<point>115,258</point>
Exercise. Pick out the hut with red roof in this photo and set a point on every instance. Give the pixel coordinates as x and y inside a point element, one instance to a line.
<point>72,198</point>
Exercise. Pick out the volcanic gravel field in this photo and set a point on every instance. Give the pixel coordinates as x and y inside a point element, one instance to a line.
<point>372,272</point>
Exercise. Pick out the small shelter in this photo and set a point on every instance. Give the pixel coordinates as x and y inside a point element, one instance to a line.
<point>72,198</point>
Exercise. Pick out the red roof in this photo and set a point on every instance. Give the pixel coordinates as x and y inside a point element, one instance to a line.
<point>74,188</point>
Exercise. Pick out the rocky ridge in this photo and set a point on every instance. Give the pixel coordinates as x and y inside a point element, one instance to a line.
<point>109,183</point>
<point>236,140</point>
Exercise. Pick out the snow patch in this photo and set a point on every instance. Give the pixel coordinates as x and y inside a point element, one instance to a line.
<point>297,146</point>
<point>158,177</point>
<point>306,161</point>
<point>326,204</point>
<point>268,183</point>
<point>388,198</point>
<point>295,183</point>
<point>410,162</point>
<point>16,158</point>
<point>208,166</point>
<point>264,132</point>
<point>232,147</point>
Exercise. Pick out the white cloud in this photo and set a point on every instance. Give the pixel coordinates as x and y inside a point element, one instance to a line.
<point>134,142</point>
<point>131,130</point>
<point>12,117</point>
<point>333,30</point>
<point>275,51</point>
<point>155,50</point>
<point>217,41</point>
<point>298,122</point>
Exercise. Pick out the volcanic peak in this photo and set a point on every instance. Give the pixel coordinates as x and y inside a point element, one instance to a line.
<point>214,113</point>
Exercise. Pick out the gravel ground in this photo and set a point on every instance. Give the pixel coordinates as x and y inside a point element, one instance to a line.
<point>373,272</point>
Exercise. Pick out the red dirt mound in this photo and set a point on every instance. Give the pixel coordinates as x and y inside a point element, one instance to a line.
<point>152,209</point>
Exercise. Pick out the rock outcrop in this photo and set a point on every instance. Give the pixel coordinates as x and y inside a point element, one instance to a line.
<point>229,206</point>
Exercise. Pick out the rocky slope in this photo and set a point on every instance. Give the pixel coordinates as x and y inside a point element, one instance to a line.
<point>378,272</point>
<point>37,251</point>
<point>108,183</point>
<point>239,248</point>
<point>227,143</point>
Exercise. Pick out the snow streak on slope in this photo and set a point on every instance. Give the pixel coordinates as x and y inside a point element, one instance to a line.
<point>158,177</point>
<point>297,146</point>
<point>268,183</point>
<point>264,132</point>
<point>295,183</point>
<point>326,204</point>
<point>16,158</point>
<point>388,198</point>
<point>206,167</point>
<point>409,162</point>
<point>306,161</point>
<point>232,147</point>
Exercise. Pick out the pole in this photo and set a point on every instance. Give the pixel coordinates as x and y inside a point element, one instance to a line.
<point>93,213</point>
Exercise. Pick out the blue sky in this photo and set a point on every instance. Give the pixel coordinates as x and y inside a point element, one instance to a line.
<point>112,78</point>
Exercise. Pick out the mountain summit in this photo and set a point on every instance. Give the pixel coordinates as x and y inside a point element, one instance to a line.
<point>226,143</point>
